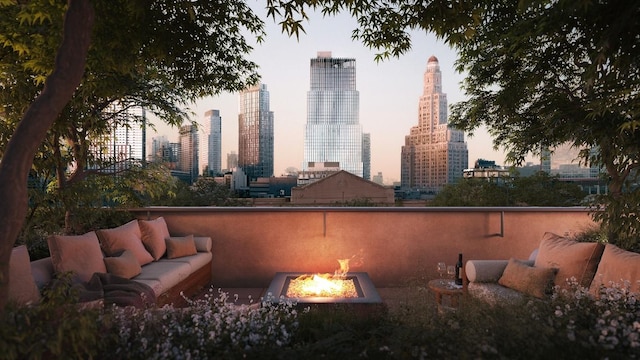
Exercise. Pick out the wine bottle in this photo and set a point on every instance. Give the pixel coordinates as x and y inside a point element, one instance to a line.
<point>459,270</point>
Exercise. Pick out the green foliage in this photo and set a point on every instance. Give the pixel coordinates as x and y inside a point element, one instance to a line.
<point>94,203</point>
<point>159,56</point>
<point>204,192</point>
<point>208,192</point>
<point>541,189</point>
<point>473,192</point>
<point>537,190</point>
<point>360,202</point>
<point>54,329</point>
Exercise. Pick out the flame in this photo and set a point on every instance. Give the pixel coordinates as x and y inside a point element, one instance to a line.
<point>324,285</point>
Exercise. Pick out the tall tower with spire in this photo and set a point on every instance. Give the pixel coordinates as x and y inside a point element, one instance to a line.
<point>433,154</point>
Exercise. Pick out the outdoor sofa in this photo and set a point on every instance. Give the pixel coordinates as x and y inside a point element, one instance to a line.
<point>139,256</point>
<point>558,261</point>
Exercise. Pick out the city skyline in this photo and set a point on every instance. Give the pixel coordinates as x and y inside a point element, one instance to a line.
<point>389,93</point>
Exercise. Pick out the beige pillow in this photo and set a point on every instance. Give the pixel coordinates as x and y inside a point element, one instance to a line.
<point>80,254</point>
<point>124,237</point>
<point>154,233</point>
<point>22,287</point>
<point>571,258</point>
<point>533,281</point>
<point>180,246</point>
<point>617,265</point>
<point>125,265</point>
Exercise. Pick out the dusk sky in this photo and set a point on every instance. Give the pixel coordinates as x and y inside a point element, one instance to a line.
<point>389,93</point>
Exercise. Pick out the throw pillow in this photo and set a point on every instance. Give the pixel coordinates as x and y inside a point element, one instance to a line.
<point>79,254</point>
<point>124,265</point>
<point>179,246</point>
<point>124,237</point>
<point>154,233</point>
<point>530,280</point>
<point>616,266</point>
<point>572,259</point>
<point>22,287</point>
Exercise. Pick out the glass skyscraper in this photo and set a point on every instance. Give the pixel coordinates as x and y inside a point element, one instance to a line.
<point>255,133</point>
<point>433,154</point>
<point>188,157</point>
<point>211,143</point>
<point>333,132</point>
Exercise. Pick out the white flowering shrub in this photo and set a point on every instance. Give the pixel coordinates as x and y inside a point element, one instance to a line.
<point>609,321</point>
<point>208,328</point>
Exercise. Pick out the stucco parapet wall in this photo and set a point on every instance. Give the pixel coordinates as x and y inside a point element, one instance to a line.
<point>391,244</point>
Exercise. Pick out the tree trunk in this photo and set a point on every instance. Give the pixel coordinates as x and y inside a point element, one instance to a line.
<point>32,129</point>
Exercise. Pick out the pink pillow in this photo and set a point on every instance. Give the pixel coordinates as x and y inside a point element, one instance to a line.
<point>572,259</point>
<point>154,233</point>
<point>617,265</point>
<point>124,237</point>
<point>79,254</point>
<point>124,265</point>
<point>180,246</point>
<point>533,281</point>
<point>22,287</point>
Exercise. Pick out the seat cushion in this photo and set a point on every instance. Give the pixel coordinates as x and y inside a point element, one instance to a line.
<point>166,272</point>
<point>494,293</point>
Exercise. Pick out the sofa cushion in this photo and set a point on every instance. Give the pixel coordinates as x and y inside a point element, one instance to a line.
<point>22,287</point>
<point>124,265</point>
<point>196,261</point>
<point>533,281</point>
<point>179,246</point>
<point>154,232</point>
<point>617,266</point>
<point>79,254</point>
<point>124,237</point>
<point>494,293</point>
<point>168,273</point>
<point>573,259</point>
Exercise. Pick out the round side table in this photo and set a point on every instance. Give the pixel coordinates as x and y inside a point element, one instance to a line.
<point>445,287</point>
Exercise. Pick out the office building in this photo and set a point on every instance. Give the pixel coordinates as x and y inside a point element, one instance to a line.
<point>188,153</point>
<point>255,133</point>
<point>232,160</point>
<point>210,154</point>
<point>433,154</point>
<point>125,144</point>
<point>333,133</point>
<point>366,156</point>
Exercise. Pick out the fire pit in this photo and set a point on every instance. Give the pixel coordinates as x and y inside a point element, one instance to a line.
<point>351,288</point>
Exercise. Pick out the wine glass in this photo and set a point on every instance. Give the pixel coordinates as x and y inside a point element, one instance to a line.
<point>442,268</point>
<point>451,271</point>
